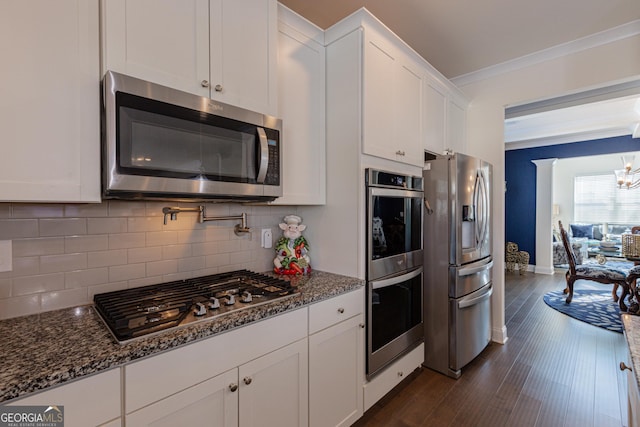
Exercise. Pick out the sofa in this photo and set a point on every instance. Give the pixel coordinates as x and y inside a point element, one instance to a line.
<point>560,255</point>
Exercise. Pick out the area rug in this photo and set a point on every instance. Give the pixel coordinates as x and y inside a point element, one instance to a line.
<point>595,307</point>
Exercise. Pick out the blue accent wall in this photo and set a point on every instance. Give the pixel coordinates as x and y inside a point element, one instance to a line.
<point>520,174</point>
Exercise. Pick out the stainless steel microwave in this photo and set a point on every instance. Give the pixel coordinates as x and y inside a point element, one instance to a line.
<point>162,143</point>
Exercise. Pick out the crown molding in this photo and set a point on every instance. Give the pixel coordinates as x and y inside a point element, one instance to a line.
<point>621,32</point>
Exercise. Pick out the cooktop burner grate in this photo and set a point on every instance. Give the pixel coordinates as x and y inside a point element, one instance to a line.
<point>131,313</point>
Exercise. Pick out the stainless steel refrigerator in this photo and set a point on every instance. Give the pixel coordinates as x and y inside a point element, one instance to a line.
<point>457,261</point>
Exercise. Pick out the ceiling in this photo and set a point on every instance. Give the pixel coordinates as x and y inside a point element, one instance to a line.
<point>458,37</point>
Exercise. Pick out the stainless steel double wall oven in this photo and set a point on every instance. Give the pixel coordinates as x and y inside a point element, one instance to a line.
<point>394,266</point>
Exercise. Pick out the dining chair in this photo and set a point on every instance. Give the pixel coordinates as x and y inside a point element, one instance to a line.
<point>600,273</point>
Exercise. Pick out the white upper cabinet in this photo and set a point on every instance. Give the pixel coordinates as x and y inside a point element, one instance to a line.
<point>393,109</point>
<point>50,103</point>
<point>445,117</point>
<point>301,106</point>
<point>222,49</point>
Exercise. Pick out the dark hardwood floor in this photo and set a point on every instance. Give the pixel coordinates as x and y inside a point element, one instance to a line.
<point>553,371</point>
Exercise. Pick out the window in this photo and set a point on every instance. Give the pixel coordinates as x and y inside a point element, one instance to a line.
<point>597,199</point>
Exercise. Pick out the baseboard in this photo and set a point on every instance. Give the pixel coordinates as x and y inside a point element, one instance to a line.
<point>499,335</point>
<point>544,270</point>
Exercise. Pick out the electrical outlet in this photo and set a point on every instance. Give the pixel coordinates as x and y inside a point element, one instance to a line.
<point>6,256</point>
<point>267,238</point>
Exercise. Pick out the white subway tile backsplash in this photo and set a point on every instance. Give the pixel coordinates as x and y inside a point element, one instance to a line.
<point>27,285</point>
<point>127,208</point>
<point>161,268</point>
<point>65,254</point>
<point>177,251</point>
<point>5,288</point>
<point>126,272</point>
<point>107,258</point>
<point>84,278</point>
<point>142,224</point>
<point>161,238</point>
<point>89,210</point>
<point>66,298</point>
<point>38,246</point>
<point>127,240</point>
<point>106,225</point>
<point>62,227</point>
<point>61,263</point>
<point>192,236</point>
<point>89,243</point>
<point>26,210</point>
<point>18,228</point>
<point>206,248</point>
<point>190,264</point>
<point>138,255</point>
<point>20,306</point>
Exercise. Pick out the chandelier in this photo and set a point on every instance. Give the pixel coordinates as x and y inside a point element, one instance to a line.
<point>628,178</point>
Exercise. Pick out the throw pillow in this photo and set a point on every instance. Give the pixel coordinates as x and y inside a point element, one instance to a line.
<point>597,232</point>
<point>582,230</point>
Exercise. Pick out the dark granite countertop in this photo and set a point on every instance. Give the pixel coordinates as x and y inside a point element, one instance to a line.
<point>48,349</point>
<point>631,325</point>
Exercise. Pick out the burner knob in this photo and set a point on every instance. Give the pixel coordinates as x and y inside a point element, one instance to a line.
<point>230,300</point>
<point>200,310</point>
<point>214,303</point>
<point>246,297</point>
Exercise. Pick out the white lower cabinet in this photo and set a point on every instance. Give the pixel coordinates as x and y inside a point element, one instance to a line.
<point>336,360</point>
<point>633,395</point>
<point>256,375</point>
<point>213,402</point>
<point>91,401</point>
<point>274,388</point>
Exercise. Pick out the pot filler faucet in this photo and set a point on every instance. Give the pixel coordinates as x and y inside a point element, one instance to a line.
<point>173,211</point>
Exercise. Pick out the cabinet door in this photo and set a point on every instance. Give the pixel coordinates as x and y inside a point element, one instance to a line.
<point>336,374</point>
<point>166,42</point>
<point>301,106</point>
<point>408,112</point>
<point>392,102</point>
<point>436,102</point>
<point>456,126</point>
<point>378,94</point>
<point>274,388</point>
<point>244,53</point>
<point>82,408</point>
<point>50,105</point>
<point>213,402</point>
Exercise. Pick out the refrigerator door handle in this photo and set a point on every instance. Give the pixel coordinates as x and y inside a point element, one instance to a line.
<point>467,271</point>
<point>473,301</point>
<point>485,204</point>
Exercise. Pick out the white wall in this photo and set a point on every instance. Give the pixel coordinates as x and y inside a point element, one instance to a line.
<point>596,66</point>
<point>567,169</point>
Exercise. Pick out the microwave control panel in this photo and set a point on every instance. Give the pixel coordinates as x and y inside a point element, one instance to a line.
<point>273,168</point>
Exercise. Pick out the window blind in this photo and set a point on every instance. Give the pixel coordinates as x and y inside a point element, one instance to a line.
<point>598,199</point>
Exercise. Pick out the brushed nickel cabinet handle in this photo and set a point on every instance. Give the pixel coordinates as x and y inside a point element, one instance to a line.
<point>218,88</point>
<point>205,83</point>
<point>247,380</point>
<point>362,325</point>
<point>341,310</point>
<point>233,387</point>
<point>623,367</point>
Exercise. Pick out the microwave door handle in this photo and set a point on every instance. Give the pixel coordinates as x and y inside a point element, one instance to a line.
<point>264,156</point>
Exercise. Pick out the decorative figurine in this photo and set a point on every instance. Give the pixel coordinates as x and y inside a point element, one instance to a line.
<point>292,249</point>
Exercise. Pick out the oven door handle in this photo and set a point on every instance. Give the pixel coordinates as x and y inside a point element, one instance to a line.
<point>264,156</point>
<point>377,284</point>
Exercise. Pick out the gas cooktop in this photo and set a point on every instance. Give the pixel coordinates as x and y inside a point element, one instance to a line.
<point>132,313</point>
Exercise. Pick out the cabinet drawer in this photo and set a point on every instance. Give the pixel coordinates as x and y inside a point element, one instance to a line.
<point>334,310</point>
<point>391,376</point>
